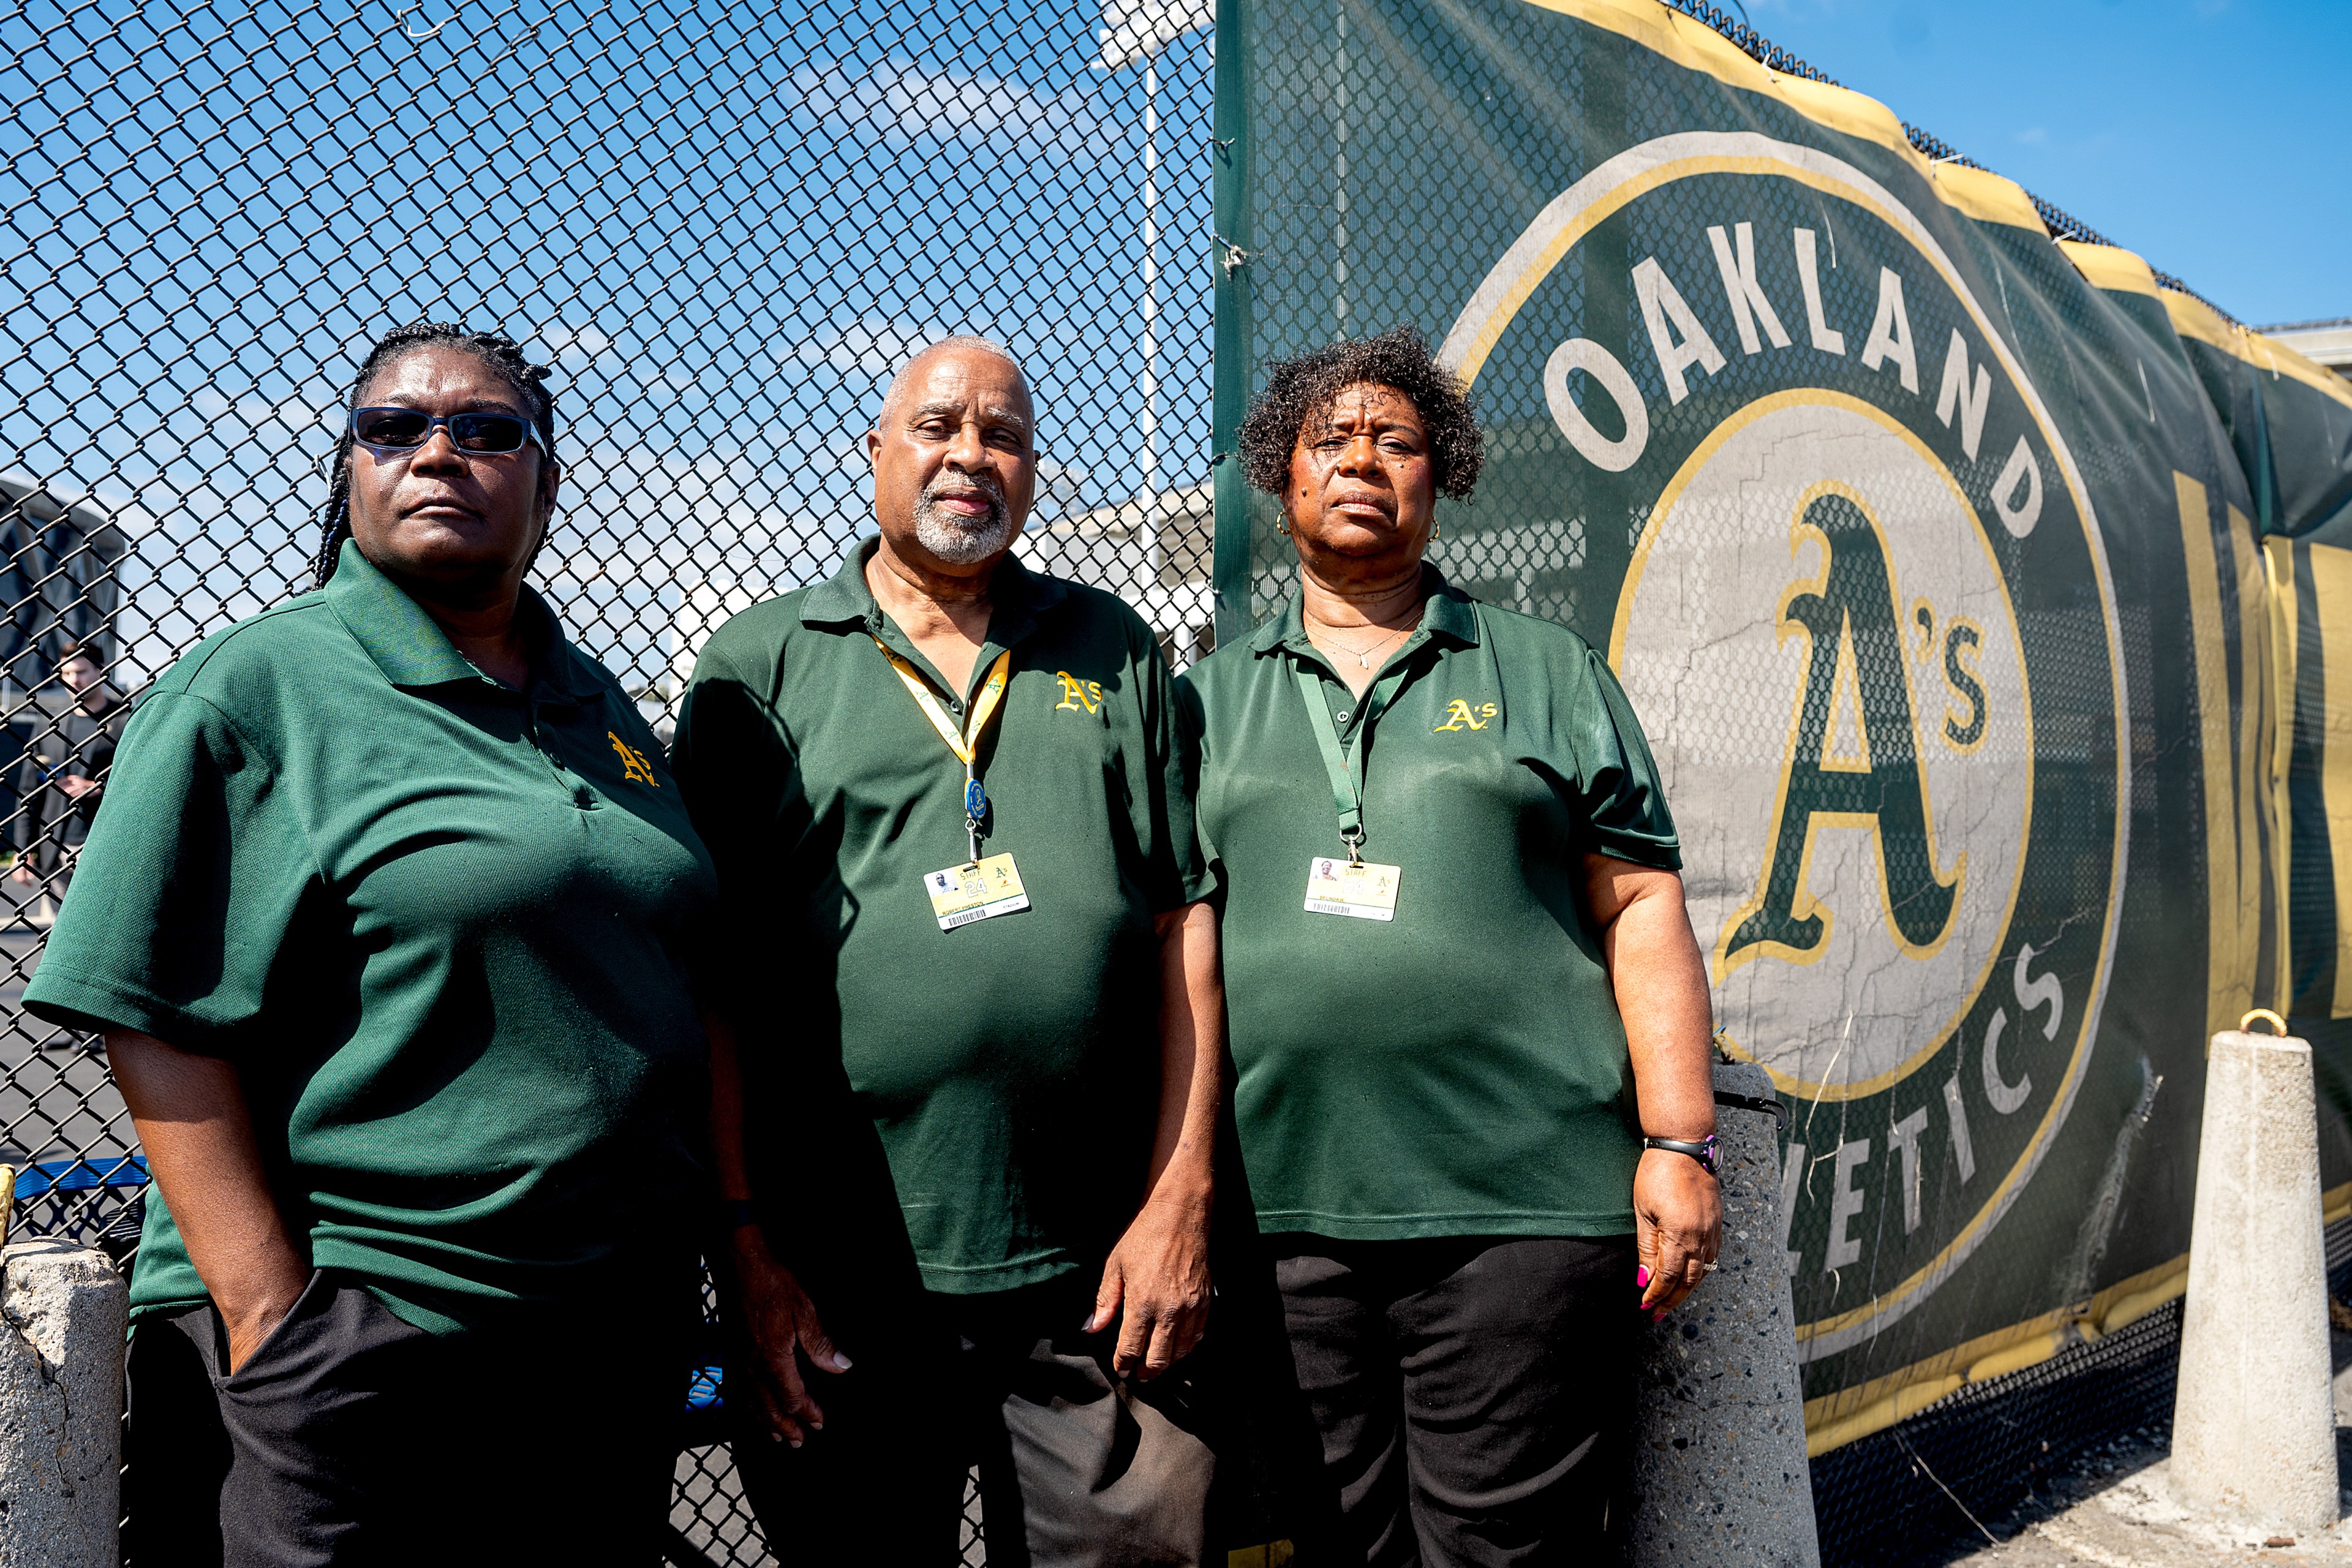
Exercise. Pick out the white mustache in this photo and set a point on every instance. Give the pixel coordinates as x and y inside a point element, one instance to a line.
<point>988,487</point>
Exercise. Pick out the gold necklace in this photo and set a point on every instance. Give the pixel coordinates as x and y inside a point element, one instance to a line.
<point>1363,657</point>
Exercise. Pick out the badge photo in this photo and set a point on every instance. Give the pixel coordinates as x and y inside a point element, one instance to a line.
<point>975,890</point>
<point>1365,891</point>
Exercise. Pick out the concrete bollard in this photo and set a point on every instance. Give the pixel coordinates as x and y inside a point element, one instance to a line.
<point>2254,1424</point>
<point>1719,1469</point>
<point>62,1317</point>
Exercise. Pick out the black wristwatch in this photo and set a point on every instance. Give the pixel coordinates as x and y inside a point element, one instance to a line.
<point>1703,1151</point>
<point>734,1213</point>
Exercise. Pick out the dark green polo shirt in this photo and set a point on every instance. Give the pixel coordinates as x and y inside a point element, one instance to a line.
<point>1461,1071</point>
<point>1011,1066</point>
<point>442,929</point>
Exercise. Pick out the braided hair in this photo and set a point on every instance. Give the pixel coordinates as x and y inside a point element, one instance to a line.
<point>501,354</point>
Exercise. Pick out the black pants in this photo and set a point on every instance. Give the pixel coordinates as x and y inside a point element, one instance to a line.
<point>1474,1394</point>
<point>350,1438</point>
<point>1077,1466</point>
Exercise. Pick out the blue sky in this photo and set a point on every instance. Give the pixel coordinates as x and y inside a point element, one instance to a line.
<point>2208,135</point>
<point>722,224</point>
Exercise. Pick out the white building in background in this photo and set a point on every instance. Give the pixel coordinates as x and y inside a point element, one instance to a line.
<point>1156,552</point>
<point>2326,343</point>
<point>704,605</point>
<point>61,559</point>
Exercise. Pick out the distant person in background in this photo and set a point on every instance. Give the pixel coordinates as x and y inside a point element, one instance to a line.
<point>1469,1019</point>
<point>79,719</point>
<point>386,921</point>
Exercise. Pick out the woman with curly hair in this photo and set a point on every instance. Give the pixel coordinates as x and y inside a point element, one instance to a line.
<point>1469,1019</point>
<point>385,921</point>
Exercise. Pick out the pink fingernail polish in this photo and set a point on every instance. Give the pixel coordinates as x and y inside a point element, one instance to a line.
<point>1642,1277</point>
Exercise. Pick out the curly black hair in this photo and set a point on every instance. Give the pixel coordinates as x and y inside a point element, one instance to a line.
<point>1300,391</point>
<point>501,354</point>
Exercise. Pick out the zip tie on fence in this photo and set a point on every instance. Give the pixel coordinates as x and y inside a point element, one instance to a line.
<point>1234,257</point>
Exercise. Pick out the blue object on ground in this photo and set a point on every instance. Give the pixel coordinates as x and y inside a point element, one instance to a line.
<point>703,1393</point>
<point>79,1175</point>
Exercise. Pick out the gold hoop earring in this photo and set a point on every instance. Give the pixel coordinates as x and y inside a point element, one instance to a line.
<point>1436,531</point>
<point>1282,526</point>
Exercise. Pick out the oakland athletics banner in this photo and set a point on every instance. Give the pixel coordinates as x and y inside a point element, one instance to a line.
<point>1974,590</point>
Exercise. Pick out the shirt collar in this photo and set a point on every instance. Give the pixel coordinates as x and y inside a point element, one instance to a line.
<point>1017,595</point>
<point>1447,614</point>
<point>410,648</point>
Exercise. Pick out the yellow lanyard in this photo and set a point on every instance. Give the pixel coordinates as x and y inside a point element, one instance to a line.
<point>963,742</point>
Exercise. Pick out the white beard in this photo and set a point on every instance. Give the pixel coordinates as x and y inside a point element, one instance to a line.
<point>962,541</point>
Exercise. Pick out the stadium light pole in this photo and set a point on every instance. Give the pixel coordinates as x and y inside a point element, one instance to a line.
<point>1135,30</point>
<point>1151,278</point>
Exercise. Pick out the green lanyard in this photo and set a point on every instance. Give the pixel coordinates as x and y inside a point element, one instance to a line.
<point>1346,767</point>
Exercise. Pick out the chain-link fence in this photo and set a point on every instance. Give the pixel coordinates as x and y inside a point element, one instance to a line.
<point>723,225</point>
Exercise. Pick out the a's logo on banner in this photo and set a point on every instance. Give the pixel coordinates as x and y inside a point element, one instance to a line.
<point>1866,622</point>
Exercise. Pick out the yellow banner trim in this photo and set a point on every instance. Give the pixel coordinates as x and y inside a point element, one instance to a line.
<point>1695,45</point>
<point>2192,318</point>
<point>2111,267</point>
<point>2278,557</point>
<point>2229,966</point>
<point>1986,196</point>
<point>1833,1420</point>
<point>1974,193</point>
<point>2331,593</point>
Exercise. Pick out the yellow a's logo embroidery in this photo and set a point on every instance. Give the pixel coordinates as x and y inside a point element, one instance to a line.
<point>1079,696</point>
<point>633,765</point>
<point>1460,715</point>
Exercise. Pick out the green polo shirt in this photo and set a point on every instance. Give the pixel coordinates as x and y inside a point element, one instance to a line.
<point>1460,1070</point>
<point>442,929</point>
<point>1011,1066</point>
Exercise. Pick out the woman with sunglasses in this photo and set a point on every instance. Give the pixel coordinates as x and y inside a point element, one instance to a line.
<point>386,923</point>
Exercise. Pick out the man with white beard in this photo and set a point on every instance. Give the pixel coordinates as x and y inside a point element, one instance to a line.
<point>966,1023</point>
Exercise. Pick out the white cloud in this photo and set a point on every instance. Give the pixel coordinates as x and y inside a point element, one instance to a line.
<point>574,349</point>
<point>873,344</point>
<point>901,98</point>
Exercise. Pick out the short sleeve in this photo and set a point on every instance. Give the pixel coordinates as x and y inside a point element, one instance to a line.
<point>735,764</point>
<point>1622,800</point>
<point>1192,741</point>
<point>185,891</point>
<point>1179,873</point>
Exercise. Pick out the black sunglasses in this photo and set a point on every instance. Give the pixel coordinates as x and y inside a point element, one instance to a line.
<point>406,430</point>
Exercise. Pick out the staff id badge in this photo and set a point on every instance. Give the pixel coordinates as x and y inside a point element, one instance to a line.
<point>1366,892</point>
<point>975,890</point>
